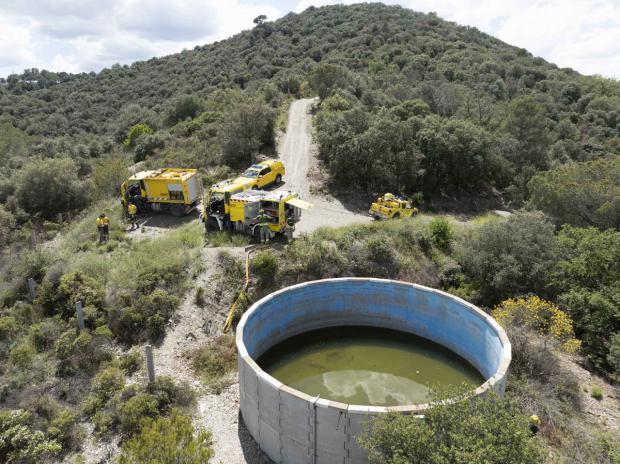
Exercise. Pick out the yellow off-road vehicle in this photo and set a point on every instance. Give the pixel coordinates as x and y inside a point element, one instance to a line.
<point>262,174</point>
<point>279,205</point>
<point>173,190</point>
<point>391,207</point>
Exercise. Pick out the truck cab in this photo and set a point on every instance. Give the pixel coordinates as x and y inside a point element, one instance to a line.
<point>216,204</point>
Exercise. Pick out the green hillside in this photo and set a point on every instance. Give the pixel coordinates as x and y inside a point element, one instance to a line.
<point>418,80</point>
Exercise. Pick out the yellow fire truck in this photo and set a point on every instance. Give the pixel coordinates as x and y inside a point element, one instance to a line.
<point>282,207</point>
<point>176,191</point>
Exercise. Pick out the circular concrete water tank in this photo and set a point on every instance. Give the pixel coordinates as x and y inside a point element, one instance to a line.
<point>292,427</point>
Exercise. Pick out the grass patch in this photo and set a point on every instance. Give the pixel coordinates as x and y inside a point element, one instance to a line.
<point>282,116</point>
<point>596,392</point>
<point>226,239</point>
<point>214,361</point>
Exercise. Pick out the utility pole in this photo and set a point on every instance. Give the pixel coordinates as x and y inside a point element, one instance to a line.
<point>150,365</point>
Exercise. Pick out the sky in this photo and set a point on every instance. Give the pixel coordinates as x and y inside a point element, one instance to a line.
<point>89,35</point>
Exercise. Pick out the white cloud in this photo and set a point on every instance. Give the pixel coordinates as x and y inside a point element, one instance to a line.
<point>155,19</point>
<point>580,34</point>
<point>86,35</point>
<point>14,44</point>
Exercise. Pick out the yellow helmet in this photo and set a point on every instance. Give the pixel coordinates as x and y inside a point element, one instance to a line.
<point>534,419</point>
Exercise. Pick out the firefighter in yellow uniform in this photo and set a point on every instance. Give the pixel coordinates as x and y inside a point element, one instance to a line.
<point>103,226</point>
<point>262,222</point>
<point>132,211</point>
<point>534,424</point>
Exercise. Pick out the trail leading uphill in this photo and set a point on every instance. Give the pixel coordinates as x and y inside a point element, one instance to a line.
<point>298,152</point>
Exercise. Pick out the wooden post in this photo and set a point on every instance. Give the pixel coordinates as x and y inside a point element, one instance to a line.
<point>150,365</point>
<point>32,289</point>
<point>79,311</point>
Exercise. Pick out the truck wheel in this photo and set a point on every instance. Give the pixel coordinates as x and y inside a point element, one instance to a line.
<point>396,216</point>
<point>211,224</point>
<point>177,210</point>
<point>254,187</point>
<point>278,179</point>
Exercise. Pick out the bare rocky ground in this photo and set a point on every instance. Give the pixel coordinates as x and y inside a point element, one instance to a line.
<point>605,412</point>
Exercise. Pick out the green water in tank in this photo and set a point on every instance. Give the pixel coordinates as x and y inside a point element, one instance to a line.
<point>366,365</point>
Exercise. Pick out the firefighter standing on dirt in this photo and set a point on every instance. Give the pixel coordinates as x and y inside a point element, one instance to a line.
<point>103,226</point>
<point>262,222</point>
<point>132,211</point>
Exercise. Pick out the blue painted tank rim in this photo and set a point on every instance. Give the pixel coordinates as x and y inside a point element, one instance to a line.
<point>499,374</point>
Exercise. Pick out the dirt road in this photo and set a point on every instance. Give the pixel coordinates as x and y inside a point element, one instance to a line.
<point>298,152</point>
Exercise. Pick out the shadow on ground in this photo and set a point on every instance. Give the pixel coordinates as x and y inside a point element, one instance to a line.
<point>251,452</point>
<point>166,221</point>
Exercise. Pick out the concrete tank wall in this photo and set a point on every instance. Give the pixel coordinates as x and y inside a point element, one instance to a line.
<point>293,427</point>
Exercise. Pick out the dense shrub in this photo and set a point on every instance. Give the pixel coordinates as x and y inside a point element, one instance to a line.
<point>108,175</point>
<point>442,233</point>
<point>215,360</point>
<point>7,226</point>
<point>51,186</point>
<point>132,412</point>
<point>265,266</point>
<point>169,393</point>
<point>131,362</point>
<point>21,441</point>
<point>384,259</point>
<point>480,430</point>
<point>21,355</point>
<point>104,386</point>
<point>245,129</point>
<point>541,317</point>
<point>510,258</point>
<point>586,279</point>
<point>182,108</point>
<point>325,78</point>
<point>166,440</point>
<point>135,132</point>
<point>580,194</point>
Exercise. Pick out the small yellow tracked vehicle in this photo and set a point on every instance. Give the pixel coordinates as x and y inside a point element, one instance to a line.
<point>391,207</point>
<point>176,191</point>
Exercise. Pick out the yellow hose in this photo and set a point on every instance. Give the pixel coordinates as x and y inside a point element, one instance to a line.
<point>231,313</point>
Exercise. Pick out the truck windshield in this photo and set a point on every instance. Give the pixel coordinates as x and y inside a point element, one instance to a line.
<point>251,173</point>
<point>216,196</point>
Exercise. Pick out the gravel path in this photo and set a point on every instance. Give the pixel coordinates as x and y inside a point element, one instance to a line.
<point>298,152</point>
<point>195,326</point>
